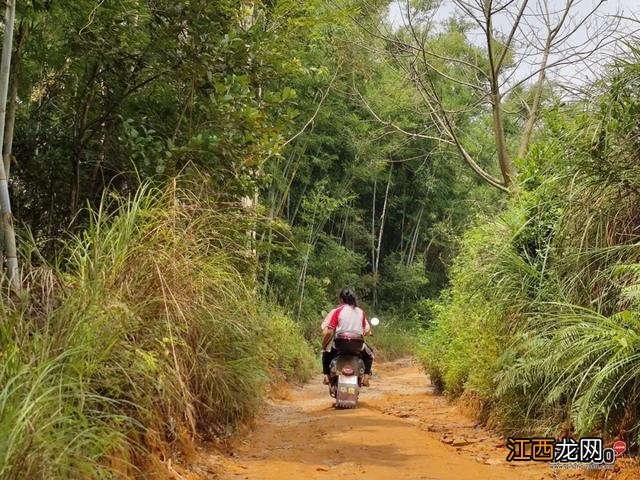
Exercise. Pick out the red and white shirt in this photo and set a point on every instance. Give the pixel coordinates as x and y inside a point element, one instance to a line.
<point>346,318</point>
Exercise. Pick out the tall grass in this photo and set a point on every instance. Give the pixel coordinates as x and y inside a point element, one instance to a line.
<point>146,334</point>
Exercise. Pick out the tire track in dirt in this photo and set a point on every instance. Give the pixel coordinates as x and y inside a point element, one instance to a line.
<point>400,429</point>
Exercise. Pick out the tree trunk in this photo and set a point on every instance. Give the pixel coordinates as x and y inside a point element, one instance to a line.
<point>404,213</point>
<point>105,144</point>
<point>373,226</point>
<point>376,265</point>
<point>384,211</point>
<point>16,63</point>
<point>343,241</point>
<point>81,138</point>
<point>373,243</point>
<point>6,216</point>
<point>414,239</point>
<point>533,114</point>
<point>267,266</point>
<point>506,168</point>
<point>303,272</point>
<point>501,144</point>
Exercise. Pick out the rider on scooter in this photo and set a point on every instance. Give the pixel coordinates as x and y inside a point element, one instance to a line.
<point>347,317</point>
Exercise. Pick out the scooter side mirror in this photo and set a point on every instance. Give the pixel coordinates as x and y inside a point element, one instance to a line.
<point>375,321</point>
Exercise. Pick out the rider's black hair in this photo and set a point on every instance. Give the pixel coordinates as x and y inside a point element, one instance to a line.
<point>348,296</point>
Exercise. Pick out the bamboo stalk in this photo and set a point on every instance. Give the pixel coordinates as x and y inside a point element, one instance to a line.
<point>6,216</point>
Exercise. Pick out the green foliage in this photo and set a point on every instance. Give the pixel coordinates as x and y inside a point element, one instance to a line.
<point>261,97</point>
<point>403,284</point>
<point>392,340</point>
<point>457,352</point>
<point>149,329</point>
<point>286,354</point>
<point>541,319</point>
<point>330,187</point>
<point>114,91</point>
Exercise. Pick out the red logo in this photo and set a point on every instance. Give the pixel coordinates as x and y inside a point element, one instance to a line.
<point>620,447</point>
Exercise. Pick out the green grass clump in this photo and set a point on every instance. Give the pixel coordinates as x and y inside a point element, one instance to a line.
<point>290,357</point>
<point>392,341</point>
<point>147,333</point>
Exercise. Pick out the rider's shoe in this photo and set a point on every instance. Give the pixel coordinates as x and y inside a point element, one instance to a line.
<point>365,380</point>
<point>325,380</point>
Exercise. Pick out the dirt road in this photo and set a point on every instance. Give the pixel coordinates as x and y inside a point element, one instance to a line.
<point>400,430</point>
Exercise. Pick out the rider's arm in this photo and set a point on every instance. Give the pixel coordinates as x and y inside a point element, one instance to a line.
<point>326,321</point>
<point>330,328</point>
<point>327,336</point>
<point>367,326</point>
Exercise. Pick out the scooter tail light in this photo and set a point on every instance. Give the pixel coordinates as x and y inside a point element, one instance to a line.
<point>347,371</point>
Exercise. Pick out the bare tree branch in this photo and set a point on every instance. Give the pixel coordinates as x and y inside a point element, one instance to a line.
<point>396,127</point>
<point>539,37</point>
<point>315,114</point>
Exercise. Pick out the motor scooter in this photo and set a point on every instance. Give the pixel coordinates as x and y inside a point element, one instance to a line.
<point>347,368</point>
